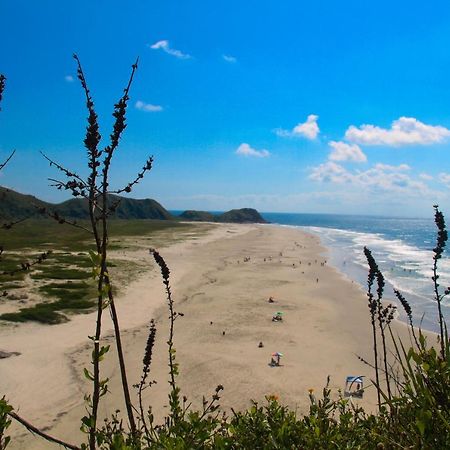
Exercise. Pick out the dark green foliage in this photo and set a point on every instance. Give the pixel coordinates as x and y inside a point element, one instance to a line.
<point>5,421</point>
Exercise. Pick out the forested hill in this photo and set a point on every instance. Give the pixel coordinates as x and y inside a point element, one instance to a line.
<point>243,215</point>
<point>16,206</point>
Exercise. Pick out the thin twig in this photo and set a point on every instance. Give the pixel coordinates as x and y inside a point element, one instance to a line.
<point>7,160</point>
<point>46,436</point>
<point>9,225</point>
<point>27,266</point>
<point>68,173</point>
<point>128,188</point>
<point>62,220</point>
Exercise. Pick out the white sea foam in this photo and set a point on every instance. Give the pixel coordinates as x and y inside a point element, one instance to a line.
<point>406,267</point>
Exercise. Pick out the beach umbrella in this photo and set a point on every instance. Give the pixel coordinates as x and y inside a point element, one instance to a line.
<point>277,354</point>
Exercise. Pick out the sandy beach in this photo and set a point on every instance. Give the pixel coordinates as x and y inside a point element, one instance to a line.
<point>221,282</point>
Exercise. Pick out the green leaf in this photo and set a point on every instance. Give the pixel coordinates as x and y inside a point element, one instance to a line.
<point>88,374</point>
<point>421,426</point>
<point>95,258</point>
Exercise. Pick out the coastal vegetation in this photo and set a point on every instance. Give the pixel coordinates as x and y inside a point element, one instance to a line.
<point>412,385</point>
<point>61,284</point>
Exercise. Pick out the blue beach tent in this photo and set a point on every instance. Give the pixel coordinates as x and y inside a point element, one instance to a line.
<point>354,386</point>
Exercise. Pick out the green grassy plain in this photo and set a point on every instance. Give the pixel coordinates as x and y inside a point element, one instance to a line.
<point>63,283</point>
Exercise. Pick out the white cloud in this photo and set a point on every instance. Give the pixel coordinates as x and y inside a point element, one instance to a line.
<point>69,78</point>
<point>346,152</point>
<point>164,46</point>
<point>229,58</point>
<point>245,150</point>
<point>330,172</point>
<point>425,176</point>
<point>403,131</point>
<point>389,168</point>
<point>445,178</point>
<point>308,129</point>
<point>148,107</point>
<point>381,177</point>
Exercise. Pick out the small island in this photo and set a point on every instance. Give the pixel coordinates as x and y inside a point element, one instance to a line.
<point>243,215</point>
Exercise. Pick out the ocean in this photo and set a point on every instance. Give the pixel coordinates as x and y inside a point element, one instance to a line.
<point>402,248</point>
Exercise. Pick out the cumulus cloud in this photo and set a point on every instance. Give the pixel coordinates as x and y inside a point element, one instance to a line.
<point>229,58</point>
<point>148,107</point>
<point>165,46</point>
<point>346,152</point>
<point>425,176</point>
<point>330,172</point>
<point>445,178</point>
<point>69,78</point>
<point>381,177</point>
<point>308,129</point>
<point>245,150</point>
<point>403,131</point>
<point>389,168</point>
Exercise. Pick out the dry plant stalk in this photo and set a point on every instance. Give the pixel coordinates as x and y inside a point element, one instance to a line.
<point>96,190</point>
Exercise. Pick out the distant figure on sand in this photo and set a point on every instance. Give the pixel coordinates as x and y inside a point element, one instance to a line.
<point>278,317</point>
<point>275,360</point>
<point>260,345</point>
<point>271,300</point>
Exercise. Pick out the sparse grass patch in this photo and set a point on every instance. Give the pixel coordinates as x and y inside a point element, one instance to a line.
<point>8,277</point>
<point>61,273</point>
<point>42,313</point>
<point>69,300</point>
<point>10,286</point>
<point>68,294</point>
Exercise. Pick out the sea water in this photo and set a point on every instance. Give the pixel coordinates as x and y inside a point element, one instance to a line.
<point>402,248</point>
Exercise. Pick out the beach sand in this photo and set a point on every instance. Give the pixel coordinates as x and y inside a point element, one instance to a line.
<point>221,282</point>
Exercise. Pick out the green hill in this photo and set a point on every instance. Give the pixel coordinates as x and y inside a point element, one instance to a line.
<point>244,215</point>
<point>198,216</point>
<point>128,208</point>
<point>16,206</point>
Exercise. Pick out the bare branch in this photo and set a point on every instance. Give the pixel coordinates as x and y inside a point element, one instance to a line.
<point>9,225</point>
<point>9,157</point>
<point>128,188</point>
<point>67,172</point>
<point>25,266</point>
<point>76,188</point>
<point>62,220</point>
<point>46,436</point>
<point>2,86</point>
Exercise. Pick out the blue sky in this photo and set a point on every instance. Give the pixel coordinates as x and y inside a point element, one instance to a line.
<point>340,107</point>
